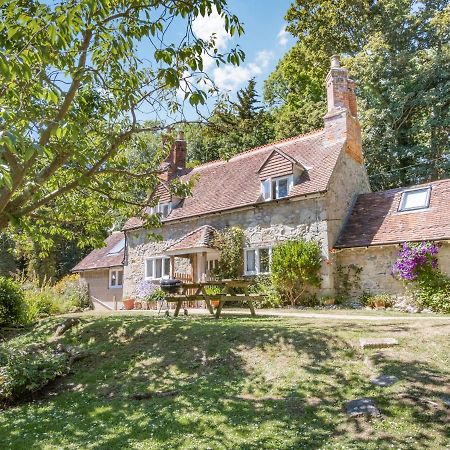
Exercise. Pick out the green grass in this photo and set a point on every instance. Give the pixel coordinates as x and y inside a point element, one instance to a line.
<point>242,383</point>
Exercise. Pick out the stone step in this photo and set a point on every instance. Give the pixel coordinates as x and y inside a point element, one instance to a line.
<point>362,407</point>
<point>384,380</point>
<point>377,342</point>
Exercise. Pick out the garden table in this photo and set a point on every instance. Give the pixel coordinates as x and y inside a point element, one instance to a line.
<point>227,295</point>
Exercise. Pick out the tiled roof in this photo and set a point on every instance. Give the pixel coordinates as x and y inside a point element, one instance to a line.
<point>199,238</point>
<point>375,219</point>
<point>99,258</point>
<point>224,185</point>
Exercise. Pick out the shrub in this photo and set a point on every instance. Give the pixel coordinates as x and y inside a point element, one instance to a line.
<point>434,292</point>
<point>74,291</point>
<point>68,295</point>
<point>230,244</point>
<point>376,300</point>
<point>12,304</point>
<point>263,285</point>
<point>295,268</point>
<point>417,264</point>
<point>27,369</point>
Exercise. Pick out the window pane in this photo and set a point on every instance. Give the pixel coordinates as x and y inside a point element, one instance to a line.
<point>119,277</point>
<point>250,258</point>
<point>113,278</point>
<point>265,188</point>
<point>166,267</point>
<point>415,199</point>
<point>158,268</point>
<point>264,261</point>
<point>274,189</point>
<point>282,188</point>
<point>149,273</point>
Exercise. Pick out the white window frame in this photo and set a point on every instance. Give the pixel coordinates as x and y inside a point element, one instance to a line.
<point>257,270</point>
<point>153,259</point>
<point>116,271</point>
<point>267,191</point>
<point>159,209</point>
<point>404,197</point>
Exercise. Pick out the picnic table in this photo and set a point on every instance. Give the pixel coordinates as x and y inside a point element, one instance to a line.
<point>227,294</point>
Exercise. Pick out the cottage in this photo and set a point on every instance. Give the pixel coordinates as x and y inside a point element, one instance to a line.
<point>314,186</point>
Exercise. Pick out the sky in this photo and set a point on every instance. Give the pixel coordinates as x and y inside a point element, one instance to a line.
<point>265,41</point>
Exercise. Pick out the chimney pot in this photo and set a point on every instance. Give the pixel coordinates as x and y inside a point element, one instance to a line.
<point>335,62</point>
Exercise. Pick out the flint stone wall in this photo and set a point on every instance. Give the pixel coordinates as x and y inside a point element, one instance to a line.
<point>263,225</point>
<point>376,264</point>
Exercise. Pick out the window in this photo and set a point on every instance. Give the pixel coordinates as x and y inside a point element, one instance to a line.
<point>117,248</point>
<point>115,278</point>
<point>274,188</point>
<point>257,260</point>
<point>157,268</point>
<point>163,209</point>
<point>415,199</point>
<point>212,264</point>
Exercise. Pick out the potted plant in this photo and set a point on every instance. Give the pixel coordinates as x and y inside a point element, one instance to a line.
<point>128,303</point>
<point>214,290</point>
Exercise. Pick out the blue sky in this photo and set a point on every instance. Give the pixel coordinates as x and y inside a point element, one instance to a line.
<point>264,41</point>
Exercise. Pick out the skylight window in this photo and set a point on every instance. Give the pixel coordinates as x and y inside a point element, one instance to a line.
<point>117,248</point>
<point>415,199</point>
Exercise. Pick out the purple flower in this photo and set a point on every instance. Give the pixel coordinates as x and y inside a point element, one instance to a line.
<point>413,259</point>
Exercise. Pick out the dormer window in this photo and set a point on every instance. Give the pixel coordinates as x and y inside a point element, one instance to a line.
<point>415,199</point>
<point>163,209</point>
<point>276,188</point>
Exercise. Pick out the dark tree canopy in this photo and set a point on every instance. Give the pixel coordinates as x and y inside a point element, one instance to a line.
<point>398,52</point>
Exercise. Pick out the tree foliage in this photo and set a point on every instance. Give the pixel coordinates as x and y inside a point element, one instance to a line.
<point>398,52</point>
<point>232,128</point>
<point>72,84</point>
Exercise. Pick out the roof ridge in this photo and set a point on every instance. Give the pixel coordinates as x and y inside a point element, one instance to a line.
<point>269,144</point>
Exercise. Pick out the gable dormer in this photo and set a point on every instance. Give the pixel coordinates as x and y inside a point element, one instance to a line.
<point>278,173</point>
<point>165,202</point>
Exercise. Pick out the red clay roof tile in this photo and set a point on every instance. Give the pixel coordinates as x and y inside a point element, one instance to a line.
<point>375,219</point>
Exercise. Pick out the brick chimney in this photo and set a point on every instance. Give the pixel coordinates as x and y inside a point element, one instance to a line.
<point>341,119</point>
<point>179,152</point>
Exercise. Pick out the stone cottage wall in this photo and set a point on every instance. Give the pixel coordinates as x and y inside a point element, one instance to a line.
<point>349,179</point>
<point>263,225</point>
<point>376,263</point>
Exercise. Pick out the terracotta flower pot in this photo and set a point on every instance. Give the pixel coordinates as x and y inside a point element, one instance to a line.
<point>215,303</point>
<point>128,304</point>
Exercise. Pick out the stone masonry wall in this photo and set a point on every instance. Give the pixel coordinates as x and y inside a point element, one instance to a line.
<point>348,180</point>
<point>377,262</point>
<point>263,225</point>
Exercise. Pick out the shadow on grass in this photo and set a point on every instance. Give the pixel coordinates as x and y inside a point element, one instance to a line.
<point>236,383</point>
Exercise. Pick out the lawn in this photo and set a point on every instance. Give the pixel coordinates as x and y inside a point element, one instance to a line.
<point>238,383</point>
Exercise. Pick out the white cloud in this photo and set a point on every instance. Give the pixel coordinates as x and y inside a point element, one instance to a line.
<point>207,27</point>
<point>229,77</point>
<point>283,37</point>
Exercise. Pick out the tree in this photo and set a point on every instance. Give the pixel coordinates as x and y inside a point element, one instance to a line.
<point>295,91</point>
<point>398,52</point>
<point>232,128</point>
<point>71,88</point>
